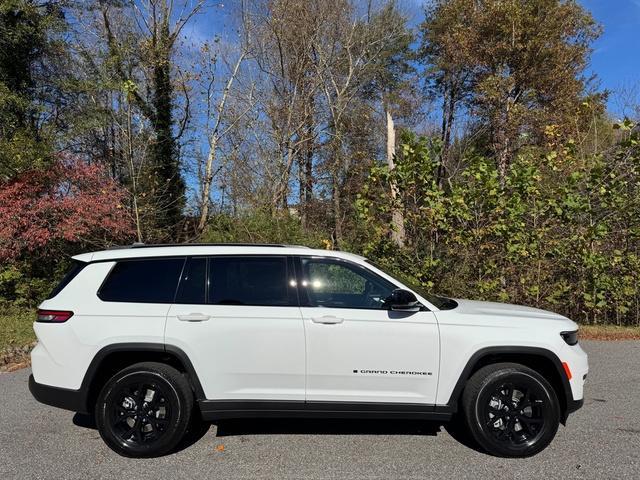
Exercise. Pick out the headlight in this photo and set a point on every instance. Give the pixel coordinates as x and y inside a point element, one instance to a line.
<point>570,337</point>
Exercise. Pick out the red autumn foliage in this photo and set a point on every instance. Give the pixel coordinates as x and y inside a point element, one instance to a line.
<point>69,202</point>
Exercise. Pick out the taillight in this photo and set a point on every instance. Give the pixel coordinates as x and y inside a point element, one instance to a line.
<point>54,316</point>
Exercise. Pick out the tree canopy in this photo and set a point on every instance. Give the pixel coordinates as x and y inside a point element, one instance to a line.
<point>469,149</point>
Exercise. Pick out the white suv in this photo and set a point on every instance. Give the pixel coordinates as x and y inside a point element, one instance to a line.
<point>151,338</point>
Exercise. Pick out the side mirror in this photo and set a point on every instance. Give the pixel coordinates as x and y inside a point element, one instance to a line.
<point>403,300</point>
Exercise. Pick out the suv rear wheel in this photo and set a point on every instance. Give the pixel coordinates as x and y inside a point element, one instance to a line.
<point>511,410</point>
<point>144,410</point>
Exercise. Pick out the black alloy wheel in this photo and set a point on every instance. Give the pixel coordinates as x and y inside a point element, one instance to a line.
<point>514,415</point>
<point>140,413</point>
<point>144,410</point>
<point>511,410</point>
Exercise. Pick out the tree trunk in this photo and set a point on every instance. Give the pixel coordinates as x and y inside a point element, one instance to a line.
<point>307,160</point>
<point>134,175</point>
<point>169,194</point>
<point>206,184</point>
<point>337,211</point>
<point>398,235</point>
<point>501,147</point>
<point>214,139</point>
<point>448,113</point>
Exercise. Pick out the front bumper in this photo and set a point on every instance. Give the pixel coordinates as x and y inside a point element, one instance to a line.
<point>74,400</point>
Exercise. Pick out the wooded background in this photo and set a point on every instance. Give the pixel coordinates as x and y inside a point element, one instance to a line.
<point>467,149</point>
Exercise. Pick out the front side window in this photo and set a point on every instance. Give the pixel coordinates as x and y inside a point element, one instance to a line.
<point>255,280</point>
<point>151,280</point>
<point>338,284</point>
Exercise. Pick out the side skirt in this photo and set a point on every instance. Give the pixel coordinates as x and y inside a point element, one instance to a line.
<point>224,409</point>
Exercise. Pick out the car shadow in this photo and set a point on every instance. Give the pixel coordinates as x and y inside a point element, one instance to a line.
<point>461,434</point>
<point>274,426</point>
<point>300,426</point>
<point>304,426</point>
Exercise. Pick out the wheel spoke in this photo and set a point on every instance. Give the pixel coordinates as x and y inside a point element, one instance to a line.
<point>502,434</point>
<point>508,392</point>
<point>127,435</point>
<point>155,399</point>
<point>142,390</point>
<point>124,411</point>
<point>121,419</point>
<point>531,420</point>
<point>493,420</point>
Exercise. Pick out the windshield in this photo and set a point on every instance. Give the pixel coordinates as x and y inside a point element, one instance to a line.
<point>443,303</point>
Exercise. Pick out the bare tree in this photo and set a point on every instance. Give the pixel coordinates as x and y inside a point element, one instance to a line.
<point>347,57</point>
<point>221,118</point>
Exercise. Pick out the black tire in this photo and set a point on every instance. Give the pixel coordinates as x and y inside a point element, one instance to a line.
<point>510,410</point>
<point>144,410</point>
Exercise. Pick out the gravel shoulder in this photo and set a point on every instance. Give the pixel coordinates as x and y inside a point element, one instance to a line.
<point>602,440</point>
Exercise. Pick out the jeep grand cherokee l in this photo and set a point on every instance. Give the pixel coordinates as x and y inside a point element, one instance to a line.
<point>151,338</point>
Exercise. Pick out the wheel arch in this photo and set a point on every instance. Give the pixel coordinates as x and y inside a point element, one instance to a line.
<point>539,359</point>
<point>115,357</point>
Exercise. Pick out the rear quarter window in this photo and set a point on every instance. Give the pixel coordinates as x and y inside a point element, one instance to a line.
<point>75,268</point>
<point>150,280</point>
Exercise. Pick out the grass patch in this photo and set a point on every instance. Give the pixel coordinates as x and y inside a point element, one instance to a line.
<point>16,327</point>
<point>609,332</point>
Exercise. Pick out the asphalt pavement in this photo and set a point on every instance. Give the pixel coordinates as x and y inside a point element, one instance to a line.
<point>602,440</point>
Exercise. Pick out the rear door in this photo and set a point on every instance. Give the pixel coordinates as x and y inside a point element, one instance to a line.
<point>358,350</point>
<point>238,320</point>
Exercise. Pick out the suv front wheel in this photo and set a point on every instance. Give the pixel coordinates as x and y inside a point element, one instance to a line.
<point>144,410</point>
<point>511,410</point>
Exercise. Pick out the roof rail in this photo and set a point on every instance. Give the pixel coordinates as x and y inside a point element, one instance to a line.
<point>154,245</point>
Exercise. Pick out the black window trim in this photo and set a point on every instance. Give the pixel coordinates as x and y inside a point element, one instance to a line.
<point>302,293</point>
<point>186,265</point>
<point>138,259</point>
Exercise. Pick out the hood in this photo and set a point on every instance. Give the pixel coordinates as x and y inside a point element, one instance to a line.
<point>494,309</point>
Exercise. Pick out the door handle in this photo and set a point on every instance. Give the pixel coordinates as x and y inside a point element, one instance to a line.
<point>194,317</point>
<point>327,320</point>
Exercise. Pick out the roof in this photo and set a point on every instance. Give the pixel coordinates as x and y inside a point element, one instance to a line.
<point>168,250</point>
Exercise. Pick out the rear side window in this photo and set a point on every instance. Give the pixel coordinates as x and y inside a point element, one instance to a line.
<point>75,268</point>
<point>152,280</point>
<point>250,281</point>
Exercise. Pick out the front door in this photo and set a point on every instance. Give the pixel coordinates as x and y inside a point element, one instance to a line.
<point>357,350</point>
<point>237,318</point>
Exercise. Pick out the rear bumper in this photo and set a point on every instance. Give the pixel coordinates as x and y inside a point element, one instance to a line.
<point>574,405</point>
<point>73,400</point>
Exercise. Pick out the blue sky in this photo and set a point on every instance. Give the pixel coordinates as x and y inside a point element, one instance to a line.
<point>616,55</point>
<point>615,59</point>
